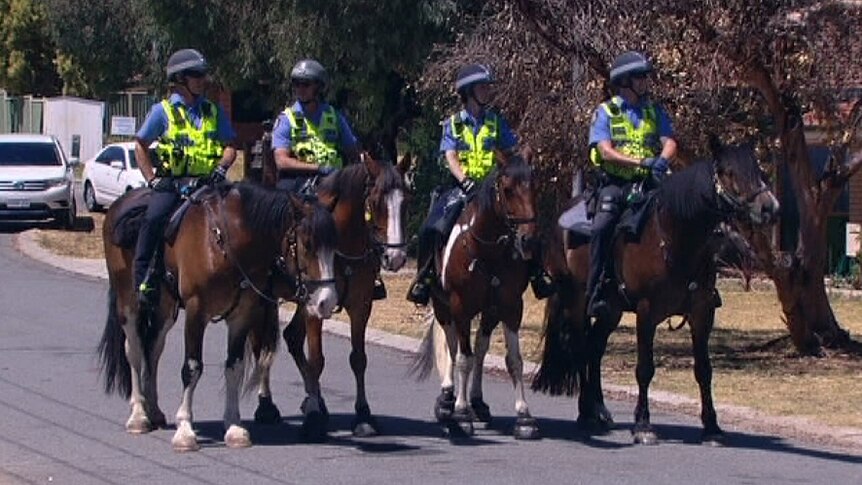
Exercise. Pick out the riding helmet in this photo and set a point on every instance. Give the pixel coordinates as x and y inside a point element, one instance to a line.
<point>185,60</point>
<point>629,63</point>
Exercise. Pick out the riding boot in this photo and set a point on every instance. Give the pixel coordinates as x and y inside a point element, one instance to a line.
<point>420,289</point>
<point>145,263</point>
<point>602,237</point>
<point>379,292</point>
<point>540,281</point>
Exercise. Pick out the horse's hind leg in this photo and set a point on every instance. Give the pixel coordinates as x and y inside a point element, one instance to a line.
<point>592,412</point>
<point>464,359</point>
<point>185,438</point>
<point>525,426</point>
<point>445,347</point>
<point>701,322</point>
<point>643,432</point>
<point>364,424</point>
<point>139,420</point>
<point>481,410</point>
<point>264,337</point>
<point>165,322</point>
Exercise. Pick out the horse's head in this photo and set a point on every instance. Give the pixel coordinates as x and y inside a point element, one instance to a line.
<point>309,252</point>
<point>385,209</point>
<point>739,183</point>
<point>513,200</point>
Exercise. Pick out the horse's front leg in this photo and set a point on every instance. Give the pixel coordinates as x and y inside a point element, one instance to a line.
<point>316,421</point>
<point>185,439</point>
<point>701,322</point>
<point>236,436</point>
<point>480,408</point>
<point>526,427</point>
<point>364,424</point>
<point>464,359</point>
<point>646,325</point>
<point>264,337</point>
<point>445,348</point>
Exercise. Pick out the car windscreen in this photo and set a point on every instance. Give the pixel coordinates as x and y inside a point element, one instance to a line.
<point>15,154</point>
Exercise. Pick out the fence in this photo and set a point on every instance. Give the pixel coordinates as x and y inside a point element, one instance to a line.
<point>21,114</point>
<point>134,104</point>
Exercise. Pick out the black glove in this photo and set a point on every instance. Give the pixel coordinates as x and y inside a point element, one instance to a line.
<point>323,170</point>
<point>159,183</point>
<point>468,186</point>
<point>657,164</point>
<point>218,176</point>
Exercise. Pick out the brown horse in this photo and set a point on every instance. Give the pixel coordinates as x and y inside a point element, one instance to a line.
<point>669,270</point>
<point>237,246</point>
<point>483,270</point>
<point>367,201</point>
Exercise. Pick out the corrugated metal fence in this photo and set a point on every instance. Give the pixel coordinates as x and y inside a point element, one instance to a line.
<point>21,114</point>
<point>130,103</point>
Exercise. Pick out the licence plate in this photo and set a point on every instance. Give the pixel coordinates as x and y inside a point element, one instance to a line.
<point>18,204</point>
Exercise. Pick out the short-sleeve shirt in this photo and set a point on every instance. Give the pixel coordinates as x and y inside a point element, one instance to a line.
<point>506,139</point>
<point>600,130</point>
<point>281,131</point>
<point>156,123</point>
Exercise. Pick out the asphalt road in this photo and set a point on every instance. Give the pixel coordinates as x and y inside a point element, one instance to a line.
<point>57,426</point>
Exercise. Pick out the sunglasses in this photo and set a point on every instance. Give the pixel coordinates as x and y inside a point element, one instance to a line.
<point>640,75</point>
<point>301,84</point>
<point>195,74</point>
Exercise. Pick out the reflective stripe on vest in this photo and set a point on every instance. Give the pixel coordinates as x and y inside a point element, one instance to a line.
<point>313,143</point>
<point>478,161</point>
<point>637,142</point>
<point>185,150</point>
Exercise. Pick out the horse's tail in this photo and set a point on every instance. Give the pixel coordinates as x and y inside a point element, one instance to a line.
<point>116,372</point>
<point>564,344</point>
<point>425,357</point>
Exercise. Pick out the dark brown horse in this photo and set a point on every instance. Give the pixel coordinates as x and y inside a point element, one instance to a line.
<point>483,271</point>
<point>367,202</point>
<point>669,270</point>
<point>237,247</point>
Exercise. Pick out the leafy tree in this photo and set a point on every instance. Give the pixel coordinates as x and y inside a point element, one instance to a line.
<point>26,49</point>
<point>737,68</point>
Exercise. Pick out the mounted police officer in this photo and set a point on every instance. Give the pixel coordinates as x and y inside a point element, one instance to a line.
<point>470,139</point>
<point>631,140</point>
<point>194,137</point>
<point>310,137</point>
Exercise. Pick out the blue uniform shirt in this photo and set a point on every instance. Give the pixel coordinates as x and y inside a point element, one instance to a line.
<point>281,131</point>
<point>156,123</point>
<point>600,130</point>
<point>505,138</point>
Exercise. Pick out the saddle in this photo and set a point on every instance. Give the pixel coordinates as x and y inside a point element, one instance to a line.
<point>133,208</point>
<point>577,220</point>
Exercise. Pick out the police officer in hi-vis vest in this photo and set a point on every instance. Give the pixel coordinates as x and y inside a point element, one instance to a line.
<point>310,137</point>
<point>194,137</point>
<point>631,139</point>
<point>470,138</point>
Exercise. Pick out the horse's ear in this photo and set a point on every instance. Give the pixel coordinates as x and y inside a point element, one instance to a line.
<point>372,165</point>
<point>404,163</point>
<point>715,145</point>
<point>502,158</point>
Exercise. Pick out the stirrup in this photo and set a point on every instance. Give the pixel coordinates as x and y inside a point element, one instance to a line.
<point>146,294</point>
<point>379,292</point>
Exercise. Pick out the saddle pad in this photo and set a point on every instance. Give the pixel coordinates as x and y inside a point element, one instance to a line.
<point>130,216</point>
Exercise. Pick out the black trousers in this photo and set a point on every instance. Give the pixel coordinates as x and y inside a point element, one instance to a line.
<point>608,210</point>
<point>162,203</point>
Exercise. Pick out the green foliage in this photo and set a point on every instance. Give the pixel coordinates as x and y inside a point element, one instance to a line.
<point>26,49</point>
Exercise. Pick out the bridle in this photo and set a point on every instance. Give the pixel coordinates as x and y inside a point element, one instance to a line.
<point>729,204</point>
<point>304,286</point>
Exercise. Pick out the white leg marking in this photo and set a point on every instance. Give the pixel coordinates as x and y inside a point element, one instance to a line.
<point>482,344</point>
<point>464,365</point>
<point>443,352</point>
<point>397,256</point>
<point>515,365</point>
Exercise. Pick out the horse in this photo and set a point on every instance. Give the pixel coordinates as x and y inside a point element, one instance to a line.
<point>669,270</point>
<point>367,202</point>
<point>237,246</point>
<point>483,271</point>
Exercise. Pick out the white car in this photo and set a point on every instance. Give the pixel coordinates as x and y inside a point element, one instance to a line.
<point>36,179</point>
<point>110,174</point>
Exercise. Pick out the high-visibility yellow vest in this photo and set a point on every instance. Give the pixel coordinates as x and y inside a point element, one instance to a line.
<point>478,160</point>
<point>313,143</point>
<point>637,142</point>
<point>185,150</point>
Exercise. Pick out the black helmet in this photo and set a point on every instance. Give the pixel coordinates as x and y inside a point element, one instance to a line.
<point>185,60</point>
<point>472,74</point>
<point>309,70</point>
<point>629,63</point>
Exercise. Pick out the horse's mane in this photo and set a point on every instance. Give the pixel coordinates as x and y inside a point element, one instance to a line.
<point>689,194</point>
<point>270,213</point>
<point>517,168</point>
<point>350,180</point>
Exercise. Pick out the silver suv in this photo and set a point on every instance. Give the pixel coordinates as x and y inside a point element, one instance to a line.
<point>36,180</point>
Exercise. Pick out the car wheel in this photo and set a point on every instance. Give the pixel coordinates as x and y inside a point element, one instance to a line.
<point>90,198</point>
<point>70,217</point>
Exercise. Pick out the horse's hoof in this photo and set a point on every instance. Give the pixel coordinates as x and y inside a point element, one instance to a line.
<point>480,410</point>
<point>314,427</point>
<point>444,407</point>
<point>305,407</point>
<point>158,420</point>
<point>237,437</point>
<point>605,418</point>
<point>465,427</point>
<point>713,438</point>
<point>267,412</point>
<point>526,428</point>
<point>185,440</point>
<point>364,430</point>
<point>645,437</point>
<point>463,418</point>
<point>139,425</point>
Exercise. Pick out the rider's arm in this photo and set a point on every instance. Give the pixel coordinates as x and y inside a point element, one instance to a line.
<point>287,161</point>
<point>347,140</point>
<point>153,127</point>
<point>668,147</point>
<point>665,132</point>
<point>225,134</point>
<point>600,137</point>
<point>455,165</point>
<point>612,155</point>
<point>142,156</point>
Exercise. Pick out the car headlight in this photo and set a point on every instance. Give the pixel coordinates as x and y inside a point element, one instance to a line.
<point>57,182</point>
